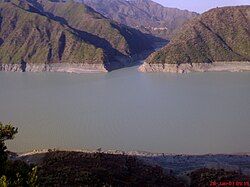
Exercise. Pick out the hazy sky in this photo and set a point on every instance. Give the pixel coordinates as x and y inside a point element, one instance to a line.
<point>201,5</point>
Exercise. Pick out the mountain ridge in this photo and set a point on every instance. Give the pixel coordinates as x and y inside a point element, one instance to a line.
<point>22,26</point>
<point>219,35</point>
<point>147,16</point>
<point>114,46</point>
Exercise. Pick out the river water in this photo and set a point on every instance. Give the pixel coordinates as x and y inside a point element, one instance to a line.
<point>193,113</point>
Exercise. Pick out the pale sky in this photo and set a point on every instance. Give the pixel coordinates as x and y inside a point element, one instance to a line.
<point>201,5</point>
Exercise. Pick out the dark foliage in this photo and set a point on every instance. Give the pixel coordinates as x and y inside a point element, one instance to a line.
<point>13,173</point>
<point>205,177</point>
<point>97,169</point>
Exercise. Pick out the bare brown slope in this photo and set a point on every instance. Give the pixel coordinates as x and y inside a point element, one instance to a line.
<point>146,15</point>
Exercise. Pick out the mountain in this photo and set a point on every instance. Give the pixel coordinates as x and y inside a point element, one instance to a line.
<point>126,40</point>
<point>145,15</point>
<point>27,36</point>
<point>216,40</point>
<point>59,33</point>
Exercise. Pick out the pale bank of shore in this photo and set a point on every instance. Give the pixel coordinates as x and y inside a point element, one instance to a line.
<point>196,67</point>
<point>56,67</point>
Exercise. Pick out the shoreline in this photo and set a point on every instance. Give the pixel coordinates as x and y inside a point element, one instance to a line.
<point>119,62</point>
<point>56,67</point>
<point>196,67</point>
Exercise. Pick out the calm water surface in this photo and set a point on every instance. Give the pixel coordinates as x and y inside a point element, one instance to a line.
<point>127,110</point>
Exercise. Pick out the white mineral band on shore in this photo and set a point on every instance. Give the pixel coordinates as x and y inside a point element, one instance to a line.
<point>196,67</point>
<point>56,67</point>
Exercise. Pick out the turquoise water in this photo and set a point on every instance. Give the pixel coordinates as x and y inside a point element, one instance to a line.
<point>127,110</point>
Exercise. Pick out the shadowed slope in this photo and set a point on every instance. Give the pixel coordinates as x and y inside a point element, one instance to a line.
<point>118,41</point>
<point>97,169</point>
<point>45,32</point>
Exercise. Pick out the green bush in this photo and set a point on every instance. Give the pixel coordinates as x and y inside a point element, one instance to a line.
<point>14,173</point>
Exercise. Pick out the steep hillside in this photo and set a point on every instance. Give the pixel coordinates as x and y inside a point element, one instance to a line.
<point>28,37</point>
<point>146,15</point>
<point>220,36</point>
<point>50,32</point>
<point>126,40</point>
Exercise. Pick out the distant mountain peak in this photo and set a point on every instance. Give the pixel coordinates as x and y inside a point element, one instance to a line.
<point>145,15</point>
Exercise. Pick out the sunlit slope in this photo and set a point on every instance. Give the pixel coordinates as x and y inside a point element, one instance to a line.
<point>219,35</point>
<point>26,33</point>
<point>125,40</point>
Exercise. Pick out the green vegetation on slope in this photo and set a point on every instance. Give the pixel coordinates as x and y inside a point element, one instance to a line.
<point>84,18</point>
<point>14,173</point>
<point>126,41</point>
<point>44,32</point>
<point>29,35</point>
<point>221,34</point>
